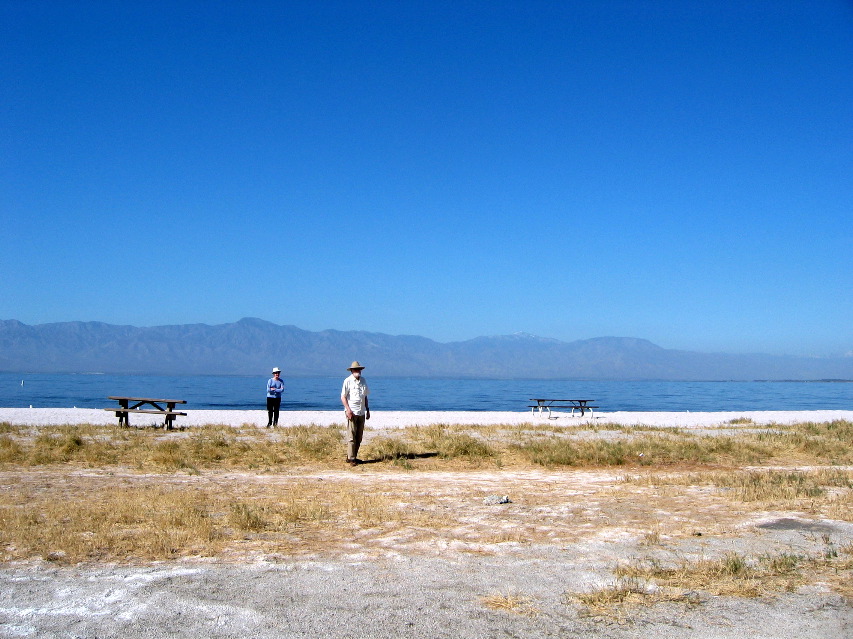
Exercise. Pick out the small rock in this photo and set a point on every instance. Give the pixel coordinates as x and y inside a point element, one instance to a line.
<point>493,500</point>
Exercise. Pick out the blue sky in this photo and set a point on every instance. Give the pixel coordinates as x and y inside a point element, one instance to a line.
<point>678,171</point>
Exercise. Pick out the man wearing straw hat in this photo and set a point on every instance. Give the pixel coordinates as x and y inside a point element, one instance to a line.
<point>354,398</point>
<point>275,388</point>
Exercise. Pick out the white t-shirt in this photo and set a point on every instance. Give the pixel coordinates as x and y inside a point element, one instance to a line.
<point>355,390</point>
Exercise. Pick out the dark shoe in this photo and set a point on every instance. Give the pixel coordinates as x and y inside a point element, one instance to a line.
<point>352,462</point>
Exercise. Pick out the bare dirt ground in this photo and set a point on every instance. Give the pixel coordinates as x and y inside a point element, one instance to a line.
<point>504,570</point>
<point>453,566</point>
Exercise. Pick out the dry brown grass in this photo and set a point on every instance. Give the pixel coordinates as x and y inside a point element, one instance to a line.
<point>617,599</point>
<point>91,515</point>
<point>731,575</point>
<point>648,581</point>
<point>803,443</point>
<point>432,447</point>
<point>213,446</point>
<point>827,492</point>
<point>93,519</point>
<point>116,523</point>
<point>93,493</point>
<point>515,603</point>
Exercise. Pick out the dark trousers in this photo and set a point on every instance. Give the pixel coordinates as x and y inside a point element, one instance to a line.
<point>273,405</point>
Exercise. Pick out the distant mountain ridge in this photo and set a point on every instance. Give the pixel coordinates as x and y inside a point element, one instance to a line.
<point>251,345</point>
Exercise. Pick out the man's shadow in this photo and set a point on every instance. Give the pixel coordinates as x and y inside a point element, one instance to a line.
<point>408,456</point>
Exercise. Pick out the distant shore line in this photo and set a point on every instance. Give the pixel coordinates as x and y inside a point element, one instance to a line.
<point>335,376</point>
<point>401,419</point>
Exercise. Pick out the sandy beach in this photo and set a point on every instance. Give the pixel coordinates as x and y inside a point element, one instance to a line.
<point>399,419</point>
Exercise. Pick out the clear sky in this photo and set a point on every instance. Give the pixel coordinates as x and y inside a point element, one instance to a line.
<point>680,171</point>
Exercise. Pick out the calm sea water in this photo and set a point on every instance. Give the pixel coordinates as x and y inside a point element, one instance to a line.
<point>322,393</point>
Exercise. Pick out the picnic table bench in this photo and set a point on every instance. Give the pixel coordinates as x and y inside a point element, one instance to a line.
<point>125,409</point>
<point>546,404</point>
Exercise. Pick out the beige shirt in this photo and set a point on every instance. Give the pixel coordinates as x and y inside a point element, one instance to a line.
<point>355,391</point>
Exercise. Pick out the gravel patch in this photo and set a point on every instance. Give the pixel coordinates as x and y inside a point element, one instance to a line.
<point>381,598</point>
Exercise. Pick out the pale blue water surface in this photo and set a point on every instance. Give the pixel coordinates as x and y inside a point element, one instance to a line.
<point>322,393</point>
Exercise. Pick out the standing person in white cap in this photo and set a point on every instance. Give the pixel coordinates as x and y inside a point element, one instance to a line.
<point>354,398</point>
<point>275,388</point>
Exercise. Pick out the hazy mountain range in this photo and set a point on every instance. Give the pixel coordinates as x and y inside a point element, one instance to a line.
<point>251,345</point>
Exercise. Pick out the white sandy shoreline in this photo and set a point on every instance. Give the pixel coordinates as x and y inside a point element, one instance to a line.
<point>381,420</point>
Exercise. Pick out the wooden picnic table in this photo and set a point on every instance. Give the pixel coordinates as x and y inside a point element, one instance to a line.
<point>125,409</point>
<point>547,403</point>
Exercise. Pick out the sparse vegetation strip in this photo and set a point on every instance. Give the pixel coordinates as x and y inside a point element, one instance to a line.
<point>427,447</point>
<point>649,581</point>
<point>82,493</point>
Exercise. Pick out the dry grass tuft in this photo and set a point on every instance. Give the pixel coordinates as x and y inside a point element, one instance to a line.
<point>249,517</point>
<point>651,538</point>
<point>627,592</point>
<point>514,603</point>
<point>772,485</point>
<point>623,590</point>
<point>648,582</point>
<point>367,509</point>
<point>733,574</point>
<point>388,449</point>
<point>450,442</point>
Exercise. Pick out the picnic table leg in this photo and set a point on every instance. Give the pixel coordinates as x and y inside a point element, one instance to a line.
<point>123,418</point>
<point>167,425</point>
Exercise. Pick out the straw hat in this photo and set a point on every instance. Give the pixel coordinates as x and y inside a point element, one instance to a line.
<point>276,370</point>
<point>355,366</point>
